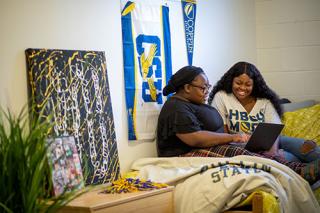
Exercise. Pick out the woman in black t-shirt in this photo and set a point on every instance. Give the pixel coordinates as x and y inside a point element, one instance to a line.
<point>185,121</point>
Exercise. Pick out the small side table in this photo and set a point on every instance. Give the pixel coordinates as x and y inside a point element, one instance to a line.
<point>155,201</point>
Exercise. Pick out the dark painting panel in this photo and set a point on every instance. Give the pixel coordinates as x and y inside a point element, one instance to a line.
<point>71,87</point>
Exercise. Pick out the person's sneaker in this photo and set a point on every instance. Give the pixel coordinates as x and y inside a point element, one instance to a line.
<point>311,172</point>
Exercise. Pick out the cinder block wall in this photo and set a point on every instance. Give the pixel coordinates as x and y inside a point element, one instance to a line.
<point>288,46</point>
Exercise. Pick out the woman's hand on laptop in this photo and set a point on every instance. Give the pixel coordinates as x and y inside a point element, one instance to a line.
<point>241,138</point>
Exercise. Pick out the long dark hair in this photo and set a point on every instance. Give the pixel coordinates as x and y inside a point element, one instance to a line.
<point>260,88</point>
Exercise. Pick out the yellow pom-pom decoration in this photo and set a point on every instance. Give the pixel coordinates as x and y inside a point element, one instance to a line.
<point>125,185</point>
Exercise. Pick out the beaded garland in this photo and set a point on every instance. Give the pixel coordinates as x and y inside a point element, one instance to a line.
<point>125,185</point>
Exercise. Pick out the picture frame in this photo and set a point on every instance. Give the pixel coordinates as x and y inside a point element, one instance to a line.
<point>63,158</point>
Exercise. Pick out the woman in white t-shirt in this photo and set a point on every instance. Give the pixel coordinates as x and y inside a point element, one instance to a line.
<point>243,100</point>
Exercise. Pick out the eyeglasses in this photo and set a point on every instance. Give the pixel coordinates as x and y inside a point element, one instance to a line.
<point>203,88</point>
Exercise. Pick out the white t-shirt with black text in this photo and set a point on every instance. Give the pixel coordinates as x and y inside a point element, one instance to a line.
<point>236,117</point>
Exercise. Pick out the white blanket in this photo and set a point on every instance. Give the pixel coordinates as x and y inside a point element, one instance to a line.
<point>217,184</point>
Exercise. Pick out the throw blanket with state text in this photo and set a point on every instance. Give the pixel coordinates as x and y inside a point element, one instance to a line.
<point>217,184</point>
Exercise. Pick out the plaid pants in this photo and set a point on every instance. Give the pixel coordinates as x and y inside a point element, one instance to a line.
<point>233,150</point>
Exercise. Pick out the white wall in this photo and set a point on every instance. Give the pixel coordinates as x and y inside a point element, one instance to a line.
<point>288,44</point>
<point>225,34</point>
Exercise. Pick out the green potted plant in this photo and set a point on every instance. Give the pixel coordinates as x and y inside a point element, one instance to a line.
<point>25,181</point>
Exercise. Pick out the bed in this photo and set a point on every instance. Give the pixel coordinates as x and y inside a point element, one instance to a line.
<point>221,184</point>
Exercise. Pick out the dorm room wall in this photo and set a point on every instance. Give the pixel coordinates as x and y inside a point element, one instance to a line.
<point>225,33</point>
<point>288,46</point>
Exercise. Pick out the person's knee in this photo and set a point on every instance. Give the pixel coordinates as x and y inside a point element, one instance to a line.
<point>307,147</point>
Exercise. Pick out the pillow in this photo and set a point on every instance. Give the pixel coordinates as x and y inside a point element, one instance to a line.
<point>289,107</point>
<point>303,123</point>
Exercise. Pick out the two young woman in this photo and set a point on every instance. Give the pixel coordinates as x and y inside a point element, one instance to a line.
<point>187,126</point>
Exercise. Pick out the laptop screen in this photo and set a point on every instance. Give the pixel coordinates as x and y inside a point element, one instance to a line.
<point>264,136</point>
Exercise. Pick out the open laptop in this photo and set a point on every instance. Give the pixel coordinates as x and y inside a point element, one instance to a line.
<point>263,137</point>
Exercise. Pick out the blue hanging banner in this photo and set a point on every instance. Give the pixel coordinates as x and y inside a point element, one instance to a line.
<point>189,9</point>
<point>147,63</point>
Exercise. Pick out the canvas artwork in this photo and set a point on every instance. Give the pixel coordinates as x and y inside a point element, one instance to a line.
<point>71,88</point>
<point>65,163</point>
